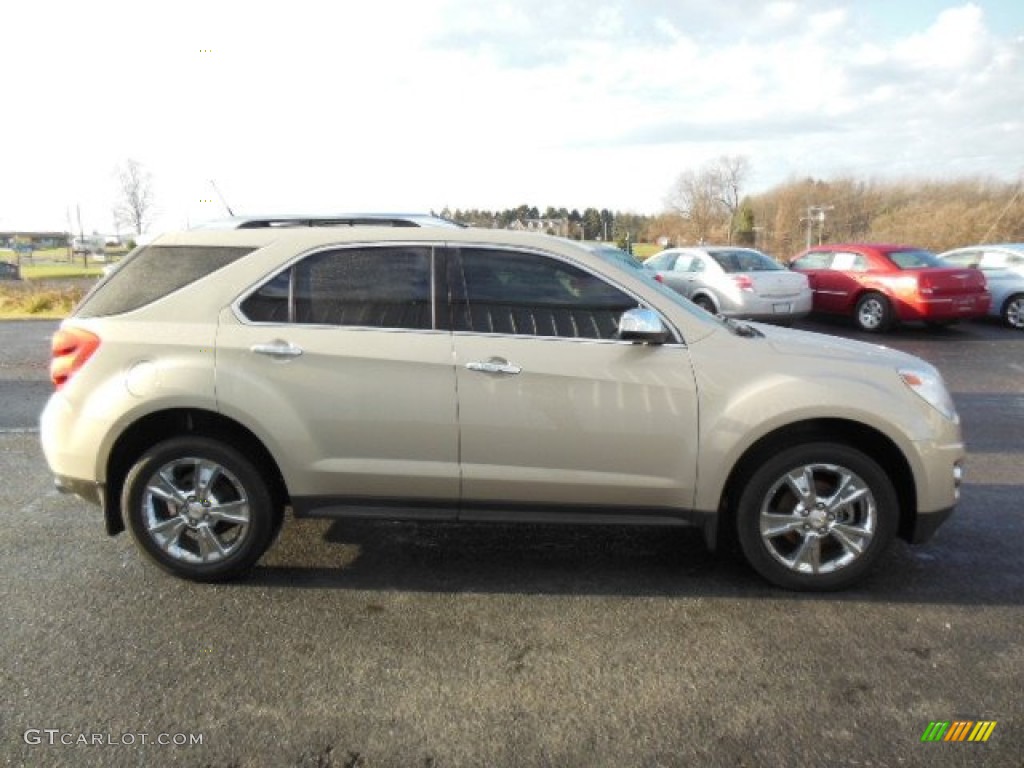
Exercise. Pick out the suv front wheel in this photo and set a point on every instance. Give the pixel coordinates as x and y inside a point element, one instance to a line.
<point>198,508</point>
<point>816,516</point>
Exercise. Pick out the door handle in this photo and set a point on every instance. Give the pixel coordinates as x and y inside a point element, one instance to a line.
<point>495,365</point>
<point>277,349</point>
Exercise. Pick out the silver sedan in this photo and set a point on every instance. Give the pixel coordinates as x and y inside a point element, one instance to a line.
<point>736,282</point>
<point>1003,266</point>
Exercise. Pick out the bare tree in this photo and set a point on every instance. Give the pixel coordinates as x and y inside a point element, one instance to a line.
<point>731,172</point>
<point>134,206</point>
<point>695,198</point>
<point>709,199</point>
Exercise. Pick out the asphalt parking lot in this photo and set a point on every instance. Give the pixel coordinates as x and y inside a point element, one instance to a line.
<point>372,644</point>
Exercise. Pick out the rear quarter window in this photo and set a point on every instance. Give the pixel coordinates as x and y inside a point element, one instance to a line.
<point>153,272</point>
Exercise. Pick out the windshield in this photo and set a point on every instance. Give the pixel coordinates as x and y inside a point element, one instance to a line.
<point>743,260</point>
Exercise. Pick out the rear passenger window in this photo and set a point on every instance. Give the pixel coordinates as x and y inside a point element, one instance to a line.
<point>153,272</point>
<point>684,263</point>
<point>850,262</point>
<point>386,287</point>
<point>527,294</point>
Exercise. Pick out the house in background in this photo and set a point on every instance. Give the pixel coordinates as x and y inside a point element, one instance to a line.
<point>34,241</point>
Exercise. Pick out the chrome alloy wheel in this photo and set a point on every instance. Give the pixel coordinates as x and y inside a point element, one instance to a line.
<point>871,313</point>
<point>818,518</point>
<point>195,510</point>
<point>1013,312</point>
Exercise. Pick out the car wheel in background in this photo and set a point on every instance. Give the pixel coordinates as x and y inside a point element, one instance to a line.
<point>705,303</point>
<point>816,517</point>
<point>199,509</point>
<point>873,313</point>
<point>1013,311</point>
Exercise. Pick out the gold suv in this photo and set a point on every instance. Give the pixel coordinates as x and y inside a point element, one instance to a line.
<point>216,378</point>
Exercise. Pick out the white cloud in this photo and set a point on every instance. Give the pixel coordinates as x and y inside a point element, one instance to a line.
<point>954,42</point>
<point>417,105</point>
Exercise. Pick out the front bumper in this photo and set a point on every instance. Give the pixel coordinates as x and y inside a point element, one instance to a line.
<point>925,525</point>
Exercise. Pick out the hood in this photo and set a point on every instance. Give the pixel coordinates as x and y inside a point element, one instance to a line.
<point>787,341</point>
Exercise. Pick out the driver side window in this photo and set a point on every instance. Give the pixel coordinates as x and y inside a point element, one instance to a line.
<point>530,294</point>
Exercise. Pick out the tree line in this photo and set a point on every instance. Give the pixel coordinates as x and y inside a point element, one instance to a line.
<point>708,205</point>
<point>588,224</point>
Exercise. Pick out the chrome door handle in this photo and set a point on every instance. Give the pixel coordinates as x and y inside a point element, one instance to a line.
<point>495,365</point>
<point>279,350</point>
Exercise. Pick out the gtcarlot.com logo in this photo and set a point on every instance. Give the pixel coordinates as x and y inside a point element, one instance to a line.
<point>53,737</point>
<point>958,730</point>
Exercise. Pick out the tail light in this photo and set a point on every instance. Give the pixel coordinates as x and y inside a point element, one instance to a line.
<point>658,277</point>
<point>743,282</point>
<point>70,349</point>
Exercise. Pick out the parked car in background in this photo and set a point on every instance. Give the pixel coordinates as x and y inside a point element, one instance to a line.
<point>735,282</point>
<point>9,271</point>
<point>1003,266</point>
<point>1001,256</point>
<point>879,285</point>
<point>91,246</point>
<point>444,374</point>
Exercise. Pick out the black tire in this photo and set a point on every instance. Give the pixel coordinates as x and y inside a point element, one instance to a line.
<point>214,535</point>
<point>706,304</point>
<point>873,313</point>
<point>1013,311</point>
<point>811,541</point>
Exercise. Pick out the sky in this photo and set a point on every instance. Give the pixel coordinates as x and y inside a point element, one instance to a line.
<point>417,105</point>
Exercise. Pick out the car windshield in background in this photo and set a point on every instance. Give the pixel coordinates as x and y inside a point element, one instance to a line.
<point>745,261</point>
<point>915,259</point>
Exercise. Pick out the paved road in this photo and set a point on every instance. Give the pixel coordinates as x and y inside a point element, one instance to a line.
<point>24,381</point>
<point>369,644</point>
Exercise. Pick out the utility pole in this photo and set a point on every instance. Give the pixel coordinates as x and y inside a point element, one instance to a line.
<point>81,236</point>
<point>816,213</point>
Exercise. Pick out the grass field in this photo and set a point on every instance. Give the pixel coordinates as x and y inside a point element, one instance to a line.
<point>36,296</point>
<point>58,271</point>
<point>42,303</point>
<point>645,250</point>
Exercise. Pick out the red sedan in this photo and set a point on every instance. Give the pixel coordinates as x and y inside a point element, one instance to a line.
<point>879,285</point>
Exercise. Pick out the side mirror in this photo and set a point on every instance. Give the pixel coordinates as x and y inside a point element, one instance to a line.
<point>642,326</point>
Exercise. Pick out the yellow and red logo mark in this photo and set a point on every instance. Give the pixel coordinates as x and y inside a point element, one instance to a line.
<point>958,730</point>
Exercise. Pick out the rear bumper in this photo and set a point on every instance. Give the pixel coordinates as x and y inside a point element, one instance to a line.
<point>83,489</point>
<point>784,308</point>
<point>94,493</point>
<point>945,308</point>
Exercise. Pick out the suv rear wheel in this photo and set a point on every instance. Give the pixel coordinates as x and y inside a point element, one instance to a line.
<point>198,508</point>
<point>816,516</point>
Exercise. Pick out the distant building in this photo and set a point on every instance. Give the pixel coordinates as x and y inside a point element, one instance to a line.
<point>35,240</point>
<point>548,226</point>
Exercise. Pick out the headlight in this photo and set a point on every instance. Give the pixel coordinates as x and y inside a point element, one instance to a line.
<point>928,384</point>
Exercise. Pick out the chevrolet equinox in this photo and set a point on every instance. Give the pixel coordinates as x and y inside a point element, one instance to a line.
<point>216,378</point>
